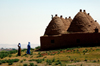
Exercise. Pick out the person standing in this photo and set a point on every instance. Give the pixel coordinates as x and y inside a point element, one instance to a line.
<point>19,49</point>
<point>28,48</point>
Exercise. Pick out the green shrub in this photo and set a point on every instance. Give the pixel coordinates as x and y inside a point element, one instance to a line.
<point>9,60</point>
<point>30,60</point>
<point>60,49</point>
<point>39,60</point>
<point>31,57</point>
<point>50,63</point>
<point>53,60</point>
<point>94,61</point>
<point>59,62</point>
<point>85,60</point>
<point>15,60</point>
<point>32,48</point>
<point>40,55</point>
<point>13,51</point>
<point>6,60</point>
<point>3,61</point>
<point>10,63</point>
<point>31,53</point>
<point>72,59</point>
<point>47,60</point>
<point>38,47</point>
<point>77,50</point>
<point>3,54</point>
<point>69,48</point>
<point>56,63</point>
<point>48,53</point>
<point>39,52</point>
<point>77,60</point>
<point>26,56</point>
<point>98,60</point>
<point>35,65</point>
<point>97,49</point>
<point>91,48</point>
<point>23,50</point>
<point>17,55</point>
<point>31,64</point>
<point>25,65</point>
<point>21,61</point>
<point>58,52</point>
<point>0,62</point>
<point>24,59</point>
<point>84,51</point>
<point>43,59</point>
<point>10,55</point>
<point>81,65</point>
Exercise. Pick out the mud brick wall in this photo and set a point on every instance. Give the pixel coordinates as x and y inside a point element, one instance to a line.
<point>70,40</point>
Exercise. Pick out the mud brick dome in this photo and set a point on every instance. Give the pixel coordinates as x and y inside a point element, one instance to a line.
<point>70,19</point>
<point>83,22</point>
<point>82,30</point>
<point>56,26</point>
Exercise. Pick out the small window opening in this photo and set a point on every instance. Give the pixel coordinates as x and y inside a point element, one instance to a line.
<point>96,30</point>
<point>52,41</point>
<point>78,40</point>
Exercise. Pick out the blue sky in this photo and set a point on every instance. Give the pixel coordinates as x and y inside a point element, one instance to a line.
<point>25,20</point>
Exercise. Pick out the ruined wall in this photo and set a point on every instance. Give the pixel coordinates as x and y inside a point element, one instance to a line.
<point>70,40</point>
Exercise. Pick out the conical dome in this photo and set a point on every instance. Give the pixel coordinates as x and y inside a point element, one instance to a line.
<point>94,24</point>
<point>97,25</point>
<point>64,21</point>
<point>80,23</point>
<point>68,23</point>
<point>70,19</point>
<point>55,27</point>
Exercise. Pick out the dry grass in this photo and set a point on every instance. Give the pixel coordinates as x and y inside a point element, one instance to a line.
<point>67,57</point>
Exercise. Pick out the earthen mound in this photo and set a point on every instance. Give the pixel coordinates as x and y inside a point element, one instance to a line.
<point>80,23</point>
<point>94,24</point>
<point>70,19</point>
<point>55,27</point>
<point>67,23</point>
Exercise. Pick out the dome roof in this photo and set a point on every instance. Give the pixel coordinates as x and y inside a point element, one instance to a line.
<point>83,22</point>
<point>70,19</point>
<point>80,23</point>
<point>67,23</point>
<point>55,27</point>
<point>64,21</point>
<point>94,24</point>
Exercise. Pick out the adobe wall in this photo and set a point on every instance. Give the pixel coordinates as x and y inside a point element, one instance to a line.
<point>70,40</point>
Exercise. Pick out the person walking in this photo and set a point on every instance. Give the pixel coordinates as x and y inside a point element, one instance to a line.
<point>28,48</point>
<point>19,49</point>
